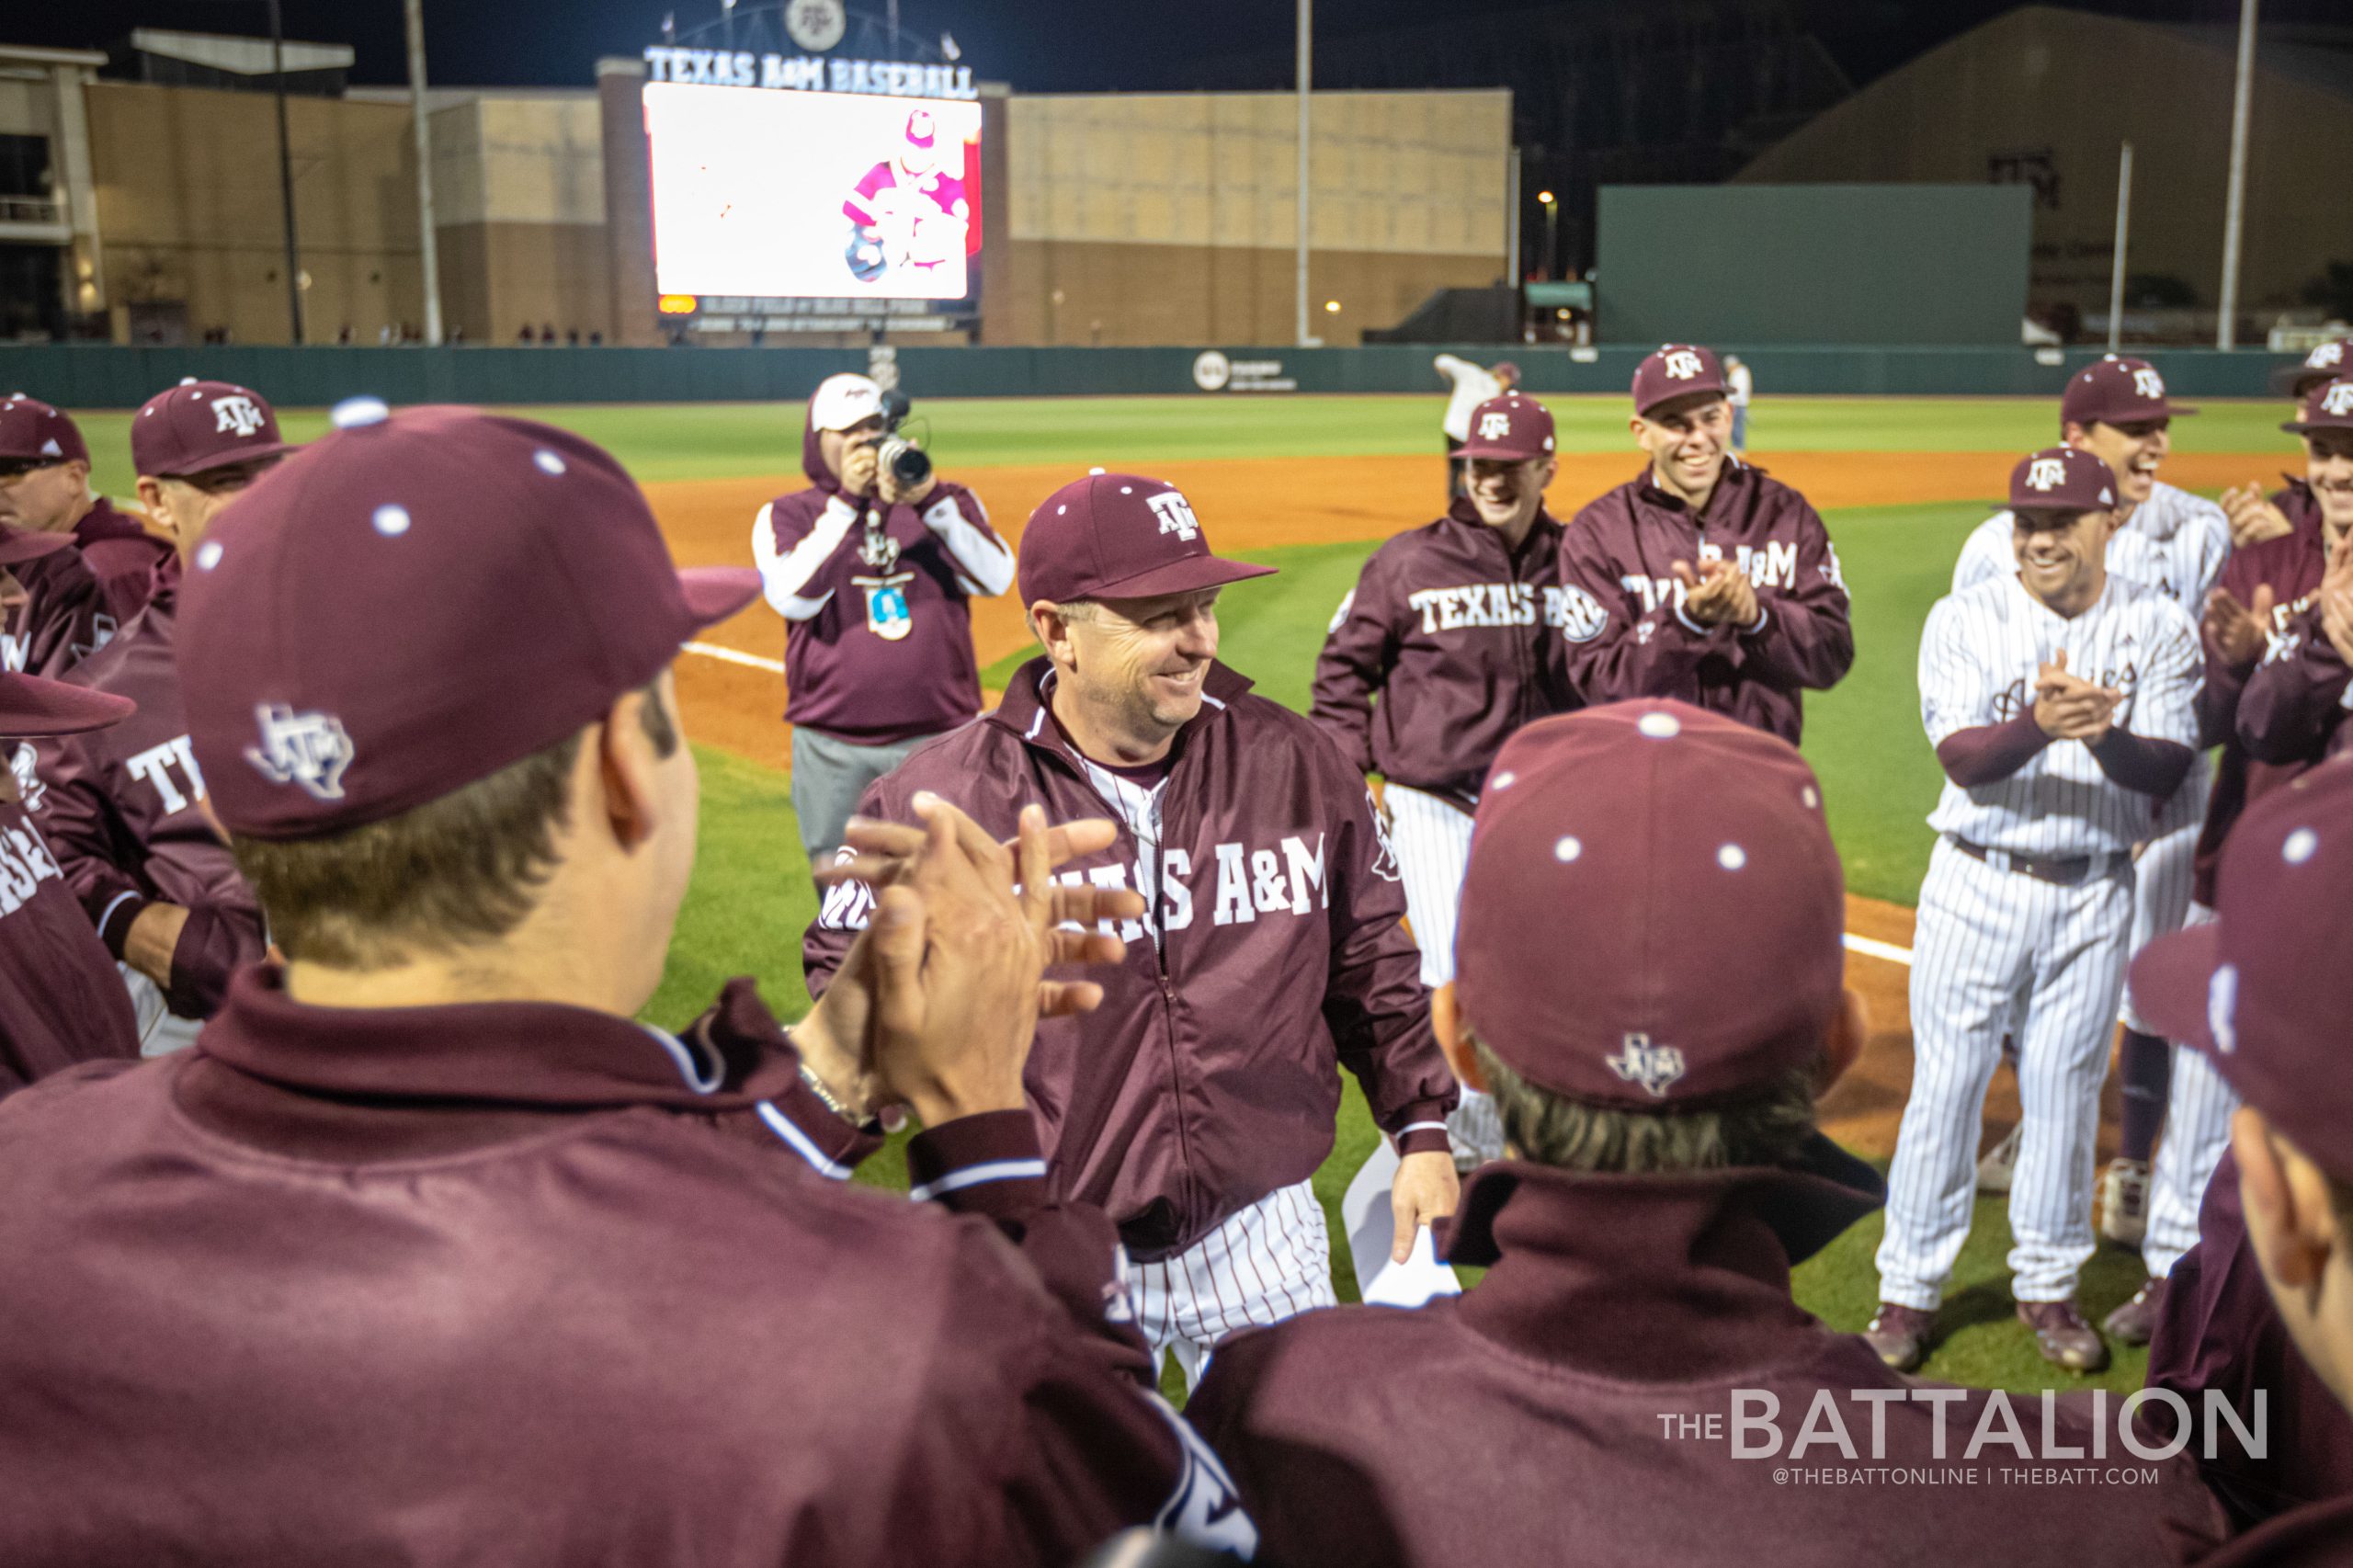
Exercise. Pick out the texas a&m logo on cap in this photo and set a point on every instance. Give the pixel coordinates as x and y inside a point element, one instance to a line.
<point>235,415</point>
<point>2148,383</point>
<point>2338,398</point>
<point>2048,473</point>
<point>1682,364</point>
<point>1493,426</point>
<point>2327,357</point>
<point>308,749</point>
<point>1655,1067</point>
<point>1175,515</point>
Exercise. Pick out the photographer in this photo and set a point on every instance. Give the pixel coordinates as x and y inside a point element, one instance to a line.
<point>871,568</point>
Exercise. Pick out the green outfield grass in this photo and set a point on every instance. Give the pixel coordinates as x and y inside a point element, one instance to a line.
<point>669,441</point>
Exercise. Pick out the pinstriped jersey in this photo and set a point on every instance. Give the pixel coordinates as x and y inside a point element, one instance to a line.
<point>1979,657</point>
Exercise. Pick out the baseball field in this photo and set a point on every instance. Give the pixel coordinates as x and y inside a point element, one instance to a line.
<point>1311,486</point>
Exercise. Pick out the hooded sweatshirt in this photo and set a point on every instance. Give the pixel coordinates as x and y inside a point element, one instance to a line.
<point>878,644</point>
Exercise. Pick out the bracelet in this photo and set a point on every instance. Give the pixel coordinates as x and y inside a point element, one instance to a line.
<point>825,1095</point>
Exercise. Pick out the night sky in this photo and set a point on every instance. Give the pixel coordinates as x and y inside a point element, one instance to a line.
<point>1036,45</point>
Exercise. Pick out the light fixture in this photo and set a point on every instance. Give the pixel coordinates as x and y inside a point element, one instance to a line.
<point>676,304</point>
<point>1331,306</point>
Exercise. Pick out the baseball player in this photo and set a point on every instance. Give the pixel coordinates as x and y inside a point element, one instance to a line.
<point>1740,391</point>
<point>1472,385</point>
<point>1665,1175</point>
<point>2061,702</point>
<point>52,610</point>
<point>905,211</point>
<point>341,1282</point>
<point>1198,1103</point>
<point>2116,409</point>
<point>2293,704</point>
<point>1702,579</point>
<point>61,1001</point>
<point>2293,508</point>
<point>873,580</point>
<point>2263,993</point>
<point>124,807</point>
<point>1452,640</point>
<point>45,487</point>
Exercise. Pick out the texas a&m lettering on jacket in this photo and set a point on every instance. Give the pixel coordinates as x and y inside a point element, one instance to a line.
<point>1270,954</point>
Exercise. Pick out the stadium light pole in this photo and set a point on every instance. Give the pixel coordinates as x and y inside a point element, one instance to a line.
<point>1552,230</point>
<point>286,172</point>
<point>2123,234</point>
<point>1306,77</point>
<point>2226,331</point>
<point>427,238</point>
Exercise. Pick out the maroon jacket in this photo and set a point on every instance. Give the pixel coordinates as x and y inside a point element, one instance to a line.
<point>122,555</point>
<point>62,620</point>
<point>2294,701</point>
<point>1449,642</point>
<point>123,808</point>
<point>1558,1410</point>
<point>2217,1329</point>
<point>2300,506</point>
<point>61,1000</point>
<point>2317,1536</point>
<point>1627,633</point>
<point>2291,567</point>
<point>532,1284</point>
<point>878,643</point>
<point>1207,1078</point>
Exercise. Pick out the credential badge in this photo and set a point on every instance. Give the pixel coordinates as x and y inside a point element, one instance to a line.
<point>1655,1067</point>
<point>308,749</point>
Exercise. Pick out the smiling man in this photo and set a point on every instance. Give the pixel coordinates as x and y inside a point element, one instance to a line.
<point>1716,584</point>
<point>2062,703</point>
<point>1196,1104</point>
<point>45,488</point>
<point>1452,640</point>
<point>124,807</point>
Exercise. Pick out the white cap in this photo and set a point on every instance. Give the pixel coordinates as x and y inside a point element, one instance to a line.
<point>841,402</point>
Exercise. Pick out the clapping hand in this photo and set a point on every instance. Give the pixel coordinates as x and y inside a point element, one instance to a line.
<point>1718,593</point>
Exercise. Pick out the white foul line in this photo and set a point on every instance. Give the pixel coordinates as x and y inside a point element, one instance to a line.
<point>1863,945</point>
<point>750,660</point>
<point>1874,950</point>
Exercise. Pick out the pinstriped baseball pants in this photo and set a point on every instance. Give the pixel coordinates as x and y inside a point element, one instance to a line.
<point>1432,838</point>
<point>1997,952</point>
<point>2162,876</point>
<point>2197,1129</point>
<point>1271,1261</point>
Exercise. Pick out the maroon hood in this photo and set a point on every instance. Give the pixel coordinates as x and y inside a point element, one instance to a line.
<point>812,455</point>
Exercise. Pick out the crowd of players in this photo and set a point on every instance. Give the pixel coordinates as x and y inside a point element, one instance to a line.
<point>353,1217</point>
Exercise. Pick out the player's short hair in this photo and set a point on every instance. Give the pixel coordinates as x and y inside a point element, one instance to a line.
<point>455,872</point>
<point>1078,609</point>
<point>1767,1127</point>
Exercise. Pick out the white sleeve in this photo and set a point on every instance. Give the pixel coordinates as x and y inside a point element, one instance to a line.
<point>984,561</point>
<point>1451,366</point>
<point>1953,695</point>
<point>784,574</point>
<point>2166,707</point>
<point>1987,553</point>
<point>2213,529</point>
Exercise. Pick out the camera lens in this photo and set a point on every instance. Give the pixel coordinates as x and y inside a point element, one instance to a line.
<point>910,464</point>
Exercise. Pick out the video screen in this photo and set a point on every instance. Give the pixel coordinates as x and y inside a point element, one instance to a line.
<point>782,194</point>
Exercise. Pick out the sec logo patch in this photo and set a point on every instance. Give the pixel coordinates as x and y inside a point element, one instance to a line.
<point>1582,617</point>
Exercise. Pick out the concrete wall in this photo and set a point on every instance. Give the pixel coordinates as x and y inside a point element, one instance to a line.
<point>1145,218</point>
<point>519,200</point>
<point>2044,97</point>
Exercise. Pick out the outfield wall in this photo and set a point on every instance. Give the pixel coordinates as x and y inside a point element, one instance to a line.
<point>96,376</point>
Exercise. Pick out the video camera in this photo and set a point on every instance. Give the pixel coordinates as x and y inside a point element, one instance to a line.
<point>900,452</point>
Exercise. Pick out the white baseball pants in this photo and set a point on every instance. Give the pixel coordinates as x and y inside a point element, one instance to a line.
<point>1998,952</point>
<point>1432,837</point>
<point>1271,1261</point>
<point>2197,1129</point>
<point>2162,878</point>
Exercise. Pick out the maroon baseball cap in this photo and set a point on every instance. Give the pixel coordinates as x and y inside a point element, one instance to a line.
<point>203,425</point>
<point>2113,390</point>
<point>2328,406</point>
<point>20,545</point>
<point>416,601</point>
<point>1677,369</point>
<point>2264,989</point>
<point>31,431</point>
<point>2324,363</point>
<point>1513,428</point>
<point>31,706</point>
<point>1654,911</point>
<point>2062,479</point>
<point>1119,536</point>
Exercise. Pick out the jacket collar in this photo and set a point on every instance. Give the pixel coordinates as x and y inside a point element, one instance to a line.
<point>1546,526</point>
<point>103,521</point>
<point>509,1053</point>
<point>1651,1278</point>
<point>1735,473</point>
<point>1025,709</point>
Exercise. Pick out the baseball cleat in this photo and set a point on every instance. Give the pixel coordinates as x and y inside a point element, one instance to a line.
<point>1899,1335</point>
<point>2135,1323</point>
<point>2124,1201</point>
<point>2062,1335</point>
<point>1995,1170</point>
